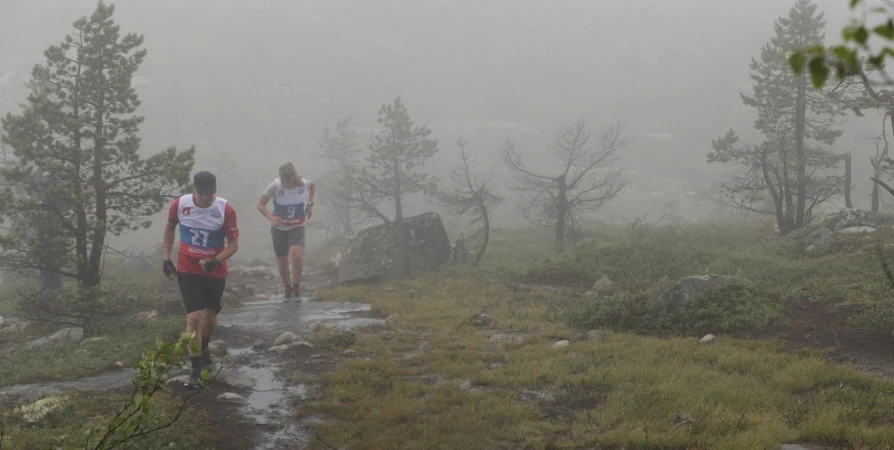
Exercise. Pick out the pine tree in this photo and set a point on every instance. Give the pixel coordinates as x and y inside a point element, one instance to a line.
<point>79,126</point>
<point>395,152</point>
<point>797,123</point>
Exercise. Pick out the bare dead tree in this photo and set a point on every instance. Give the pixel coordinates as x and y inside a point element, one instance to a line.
<point>584,184</point>
<point>470,194</point>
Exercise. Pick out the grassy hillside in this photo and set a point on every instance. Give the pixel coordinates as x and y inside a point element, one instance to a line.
<point>628,376</point>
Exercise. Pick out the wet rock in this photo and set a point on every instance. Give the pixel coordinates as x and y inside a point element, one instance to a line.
<point>604,285</point>
<point>236,379</point>
<point>349,353</point>
<point>708,338</point>
<point>848,218</point>
<point>119,364</point>
<point>217,348</point>
<point>232,397</point>
<point>62,336</point>
<point>598,335</point>
<point>279,349</point>
<point>485,320</point>
<point>258,344</point>
<point>686,290</point>
<point>261,297</point>
<point>301,344</point>
<point>183,379</point>
<point>401,249</point>
<point>859,229</point>
<point>285,338</point>
<point>561,344</point>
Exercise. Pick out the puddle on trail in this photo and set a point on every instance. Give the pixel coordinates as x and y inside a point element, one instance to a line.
<point>266,395</point>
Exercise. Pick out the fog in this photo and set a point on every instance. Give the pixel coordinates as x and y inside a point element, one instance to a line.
<point>260,79</point>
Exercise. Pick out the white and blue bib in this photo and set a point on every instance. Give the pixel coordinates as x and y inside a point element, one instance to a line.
<point>202,231</point>
<point>288,204</point>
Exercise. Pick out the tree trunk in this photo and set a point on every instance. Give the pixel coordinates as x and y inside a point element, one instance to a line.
<point>398,208</point>
<point>877,173</point>
<point>800,122</point>
<point>346,227</point>
<point>561,214</point>
<point>98,240</point>
<point>486,238</point>
<point>847,181</point>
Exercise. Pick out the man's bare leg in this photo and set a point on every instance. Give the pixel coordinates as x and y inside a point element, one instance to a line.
<point>283,263</point>
<point>209,325</point>
<point>296,255</point>
<point>194,324</point>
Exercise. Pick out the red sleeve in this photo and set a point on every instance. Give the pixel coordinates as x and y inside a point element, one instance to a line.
<point>230,226</point>
<point>172,211</point>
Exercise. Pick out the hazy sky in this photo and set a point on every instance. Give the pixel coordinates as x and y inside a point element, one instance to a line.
<point>262,78</point>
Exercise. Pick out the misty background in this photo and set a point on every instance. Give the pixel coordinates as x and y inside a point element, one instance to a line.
<point>253,83</point>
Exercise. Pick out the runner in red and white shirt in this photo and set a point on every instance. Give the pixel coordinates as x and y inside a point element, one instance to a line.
<point>209,236</point>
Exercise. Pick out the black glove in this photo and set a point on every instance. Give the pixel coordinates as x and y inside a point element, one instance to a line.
<point>209,264</point>
<point>169,268</point>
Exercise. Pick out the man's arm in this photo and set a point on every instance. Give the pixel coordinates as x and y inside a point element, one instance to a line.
<point>311,190</point>
<point>262,204</point>
<point>168,241</point>
<point>232,234</point>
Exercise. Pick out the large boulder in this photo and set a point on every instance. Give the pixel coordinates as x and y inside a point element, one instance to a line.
<point>853,218</point>
<point>685,291</point>
<point>375,253</point>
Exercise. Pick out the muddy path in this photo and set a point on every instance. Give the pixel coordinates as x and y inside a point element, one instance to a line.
<point>253,396</point>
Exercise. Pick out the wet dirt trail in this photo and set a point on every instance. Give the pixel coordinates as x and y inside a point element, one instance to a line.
<point>261,411</point>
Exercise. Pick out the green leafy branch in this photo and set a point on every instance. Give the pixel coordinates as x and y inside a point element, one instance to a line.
<point>134,420</point>
<point>846,58</point>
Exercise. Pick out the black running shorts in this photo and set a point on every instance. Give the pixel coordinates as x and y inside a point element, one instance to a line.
<point>283,239</point>
<point>200,292</point>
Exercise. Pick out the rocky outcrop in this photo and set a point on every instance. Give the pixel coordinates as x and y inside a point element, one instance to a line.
<point>686,290</point>
<point>412,246</point>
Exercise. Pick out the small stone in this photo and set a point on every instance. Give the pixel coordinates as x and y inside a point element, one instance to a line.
<point>707,339</point>
<point>217,348</point>
<point>183,379</point>
<point>236,379</point>
<point>119,364</point>
<point>285,338</point>
<point>349,353</point>
<point>858,229</point>
<point>392,317</point>
<point>232,397</point>
<point>560,344</point>
<point>389,289</point>
<point>598,335</point>
<point>301,344</point>
<point>258,344</point>
<point>485,320</point>
<point>261,297</point>
<point>279,349</point>
<point>94,340</point>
